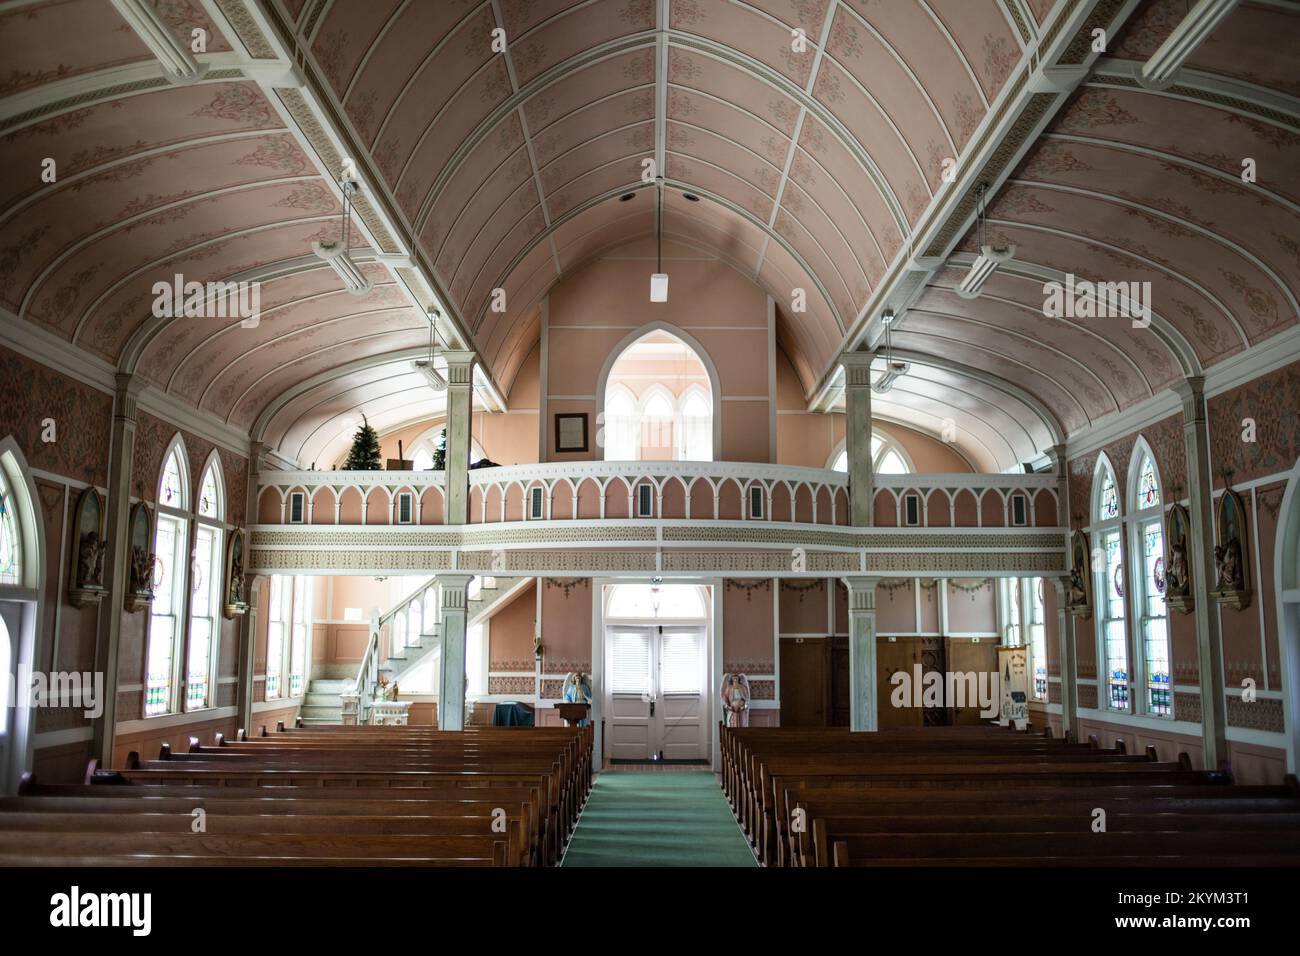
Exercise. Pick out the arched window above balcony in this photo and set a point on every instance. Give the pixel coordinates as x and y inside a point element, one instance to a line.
<point>659,402</point>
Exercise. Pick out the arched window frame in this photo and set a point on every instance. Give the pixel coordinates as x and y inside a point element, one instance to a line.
<point>207,574</point>
<point>629,340</point>
<point>1145,523</point>
<point>427,442</point>
<point>169,611</point>
<point>887,443</point>
<point>1111,611</point>
<point>23,623</point>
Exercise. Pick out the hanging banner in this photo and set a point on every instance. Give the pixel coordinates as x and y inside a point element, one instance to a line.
<point>1013,673</point>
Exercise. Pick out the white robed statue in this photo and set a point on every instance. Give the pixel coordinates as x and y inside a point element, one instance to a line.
<point>577,690</point>
<point>735,699</point>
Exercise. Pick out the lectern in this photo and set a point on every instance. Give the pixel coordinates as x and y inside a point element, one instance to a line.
<point>571,713</point>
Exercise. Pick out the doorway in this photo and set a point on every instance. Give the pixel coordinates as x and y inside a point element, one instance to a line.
<point>805,681</point>
<point>656,706</point>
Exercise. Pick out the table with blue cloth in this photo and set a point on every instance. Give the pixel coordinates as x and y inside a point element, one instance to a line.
<point>512,714</point>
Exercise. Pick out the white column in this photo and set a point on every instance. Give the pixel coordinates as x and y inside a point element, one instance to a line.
<point>117,561</point>
<point>460,382</point>
<point>863,701</point>
<point>1209,640</point>
<point>453,599</point>
<point>1069,660</point>
<point>857,442</point>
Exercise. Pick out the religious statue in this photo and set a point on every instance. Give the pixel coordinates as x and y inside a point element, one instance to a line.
<point>142,563</point>
<point>1176,578</point>
<point>1078,593</point>
<point>577,690</point>
<point>90,561</point>
<point>1227,565</point>
<point>735,699</point>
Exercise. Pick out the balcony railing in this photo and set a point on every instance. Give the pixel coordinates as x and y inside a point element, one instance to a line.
<point>650,490</point>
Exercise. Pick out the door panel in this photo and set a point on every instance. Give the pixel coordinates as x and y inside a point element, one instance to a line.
<point>657,702</point>
<point>980,657</point>
<point>805,681</point>
<point>899,654</point>
<point>681,709</point>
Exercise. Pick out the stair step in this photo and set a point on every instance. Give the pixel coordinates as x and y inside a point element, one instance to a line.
<point>327,686</point>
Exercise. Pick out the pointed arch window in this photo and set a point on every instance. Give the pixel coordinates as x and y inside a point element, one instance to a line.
<point>11,548</point>
<point>171,570</point>
<point>1108,567</point>
<point>1149,586</point>
<point>1107,498</point>
<point>205,586</point>
<point>887,457</point>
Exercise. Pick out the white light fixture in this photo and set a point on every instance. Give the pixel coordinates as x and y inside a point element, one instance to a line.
<point>173,55</point>
<point>659,281</point>
<point>425,366</point>
<point>659,287</point>
<point>1161,70</point>
<point>893,369</point>
<point>338,254</point>
<point>990,257</point>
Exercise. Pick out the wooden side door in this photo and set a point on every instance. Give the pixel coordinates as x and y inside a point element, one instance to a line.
<point>805,681</point>
<point>894,655</point>
<point>972,655</point>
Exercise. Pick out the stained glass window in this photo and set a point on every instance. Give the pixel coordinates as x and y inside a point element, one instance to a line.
<point>209,495</point>
<point>1155,632</point>
<point>1108,502</point>
<point>1112,621</point>
<point>1148,488</point>
<point>164,613</point>
<point>171,490</point>
<point>10,547</point>
<point>204,617</point>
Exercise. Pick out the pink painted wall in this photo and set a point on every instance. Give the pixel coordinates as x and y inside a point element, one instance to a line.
<point>593,309</point>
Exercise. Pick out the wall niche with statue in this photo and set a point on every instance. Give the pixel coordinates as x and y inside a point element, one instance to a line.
<point>86,570</point>
<point>1231,553</point>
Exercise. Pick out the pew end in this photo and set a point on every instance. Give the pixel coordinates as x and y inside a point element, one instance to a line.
<point>195,746</point>
<point>164,752</point>
<point>1151,753</point>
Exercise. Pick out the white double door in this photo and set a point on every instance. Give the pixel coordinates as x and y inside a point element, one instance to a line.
<point>656,703</point>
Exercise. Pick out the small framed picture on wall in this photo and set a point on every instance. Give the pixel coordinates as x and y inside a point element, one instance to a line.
<point>571,432</point>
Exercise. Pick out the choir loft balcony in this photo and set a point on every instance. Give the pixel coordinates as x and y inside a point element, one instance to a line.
<point>656,518</point>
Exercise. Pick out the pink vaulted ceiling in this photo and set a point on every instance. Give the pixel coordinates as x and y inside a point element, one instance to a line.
<point>1131,185</point>
<point>511,194</point>
<point>504,170</point>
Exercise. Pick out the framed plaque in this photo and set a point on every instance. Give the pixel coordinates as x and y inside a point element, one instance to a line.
<point>571,432</point>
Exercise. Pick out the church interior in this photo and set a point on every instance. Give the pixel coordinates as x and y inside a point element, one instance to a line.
<point>860,434</point>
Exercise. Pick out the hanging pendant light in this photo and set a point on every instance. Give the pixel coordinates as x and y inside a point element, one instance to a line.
<point>659,281</point>
<point>893,369</point>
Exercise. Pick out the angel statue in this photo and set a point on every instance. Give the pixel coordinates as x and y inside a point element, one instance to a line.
<point>735,699</point>
<point>577,690</point>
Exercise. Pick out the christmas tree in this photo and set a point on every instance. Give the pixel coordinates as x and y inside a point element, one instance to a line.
<point>440,452</point>
<point>364,455</point>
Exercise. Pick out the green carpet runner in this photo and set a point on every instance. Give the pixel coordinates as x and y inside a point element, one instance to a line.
<point>657,818</point>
